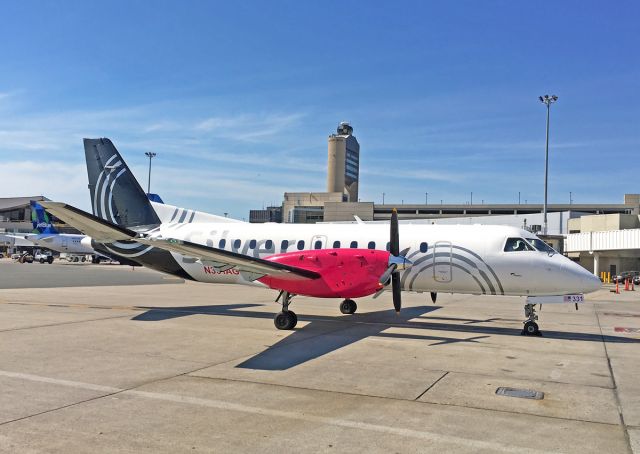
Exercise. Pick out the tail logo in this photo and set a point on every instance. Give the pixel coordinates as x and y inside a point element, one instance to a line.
<point>104,208</point>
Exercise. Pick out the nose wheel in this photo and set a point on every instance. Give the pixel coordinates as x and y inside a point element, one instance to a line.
<point>530,325</point>
<point>348,307</point>
<point>286,319</point>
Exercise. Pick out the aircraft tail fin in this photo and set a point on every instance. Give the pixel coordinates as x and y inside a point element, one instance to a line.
<point>40,219</point>
<point>116,195</point>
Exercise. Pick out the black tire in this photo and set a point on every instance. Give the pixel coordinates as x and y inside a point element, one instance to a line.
<point>50,259</point>
<point>285,320</point>
<point>75,259</point>
<point>348,307</point>
<point>83,259</point>
<point>531,329</point>
<point>41,260</point>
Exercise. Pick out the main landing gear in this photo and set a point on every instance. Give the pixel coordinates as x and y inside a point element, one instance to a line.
<point>530,325</point>
<point>348,307</point>
<point>286,319</point>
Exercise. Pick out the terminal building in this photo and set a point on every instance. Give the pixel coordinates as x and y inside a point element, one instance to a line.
<point>15,218</point>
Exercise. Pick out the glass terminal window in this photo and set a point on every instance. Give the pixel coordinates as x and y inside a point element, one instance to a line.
<point>517,244</point>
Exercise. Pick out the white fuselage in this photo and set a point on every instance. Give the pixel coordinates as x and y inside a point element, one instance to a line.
<point>63,242</point>
<point>458,259</point>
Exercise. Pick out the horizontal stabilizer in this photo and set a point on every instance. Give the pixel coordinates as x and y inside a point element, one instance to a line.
<point>242,262</point>
<point>100,230</point>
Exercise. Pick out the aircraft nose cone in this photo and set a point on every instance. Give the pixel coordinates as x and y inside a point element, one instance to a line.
<point>583,280</point>
<point>591,283</point>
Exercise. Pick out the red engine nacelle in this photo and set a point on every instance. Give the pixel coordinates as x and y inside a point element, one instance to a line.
<point>345,273</point>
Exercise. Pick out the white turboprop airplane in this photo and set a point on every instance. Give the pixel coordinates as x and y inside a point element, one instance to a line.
<point>320,260</point>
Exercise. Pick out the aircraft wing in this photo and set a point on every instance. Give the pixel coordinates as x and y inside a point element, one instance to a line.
<point>105,232</point>
<point>100,230</point>
<point>224,257</point>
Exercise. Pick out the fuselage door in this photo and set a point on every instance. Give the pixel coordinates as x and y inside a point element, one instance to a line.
<point>442,260</point>
<point>65,243</point>
<point>318,242</point>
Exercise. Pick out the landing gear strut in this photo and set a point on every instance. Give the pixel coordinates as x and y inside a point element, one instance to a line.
<point>348,307</point>
<point>286,319</point>
<point>530,325</point>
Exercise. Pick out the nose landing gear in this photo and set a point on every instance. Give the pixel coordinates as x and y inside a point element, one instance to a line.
<point>285,320</point>
<point>530,325</point>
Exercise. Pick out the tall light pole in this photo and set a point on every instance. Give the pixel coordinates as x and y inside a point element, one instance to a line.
<point>426,198</point>
<point>150,155</point>
<point>547,100</point>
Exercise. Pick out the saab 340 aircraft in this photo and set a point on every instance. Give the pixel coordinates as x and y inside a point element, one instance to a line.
<point>343,261</point>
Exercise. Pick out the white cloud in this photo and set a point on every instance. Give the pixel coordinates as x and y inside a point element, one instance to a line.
<point>57,180</point>
<point>248,128</point>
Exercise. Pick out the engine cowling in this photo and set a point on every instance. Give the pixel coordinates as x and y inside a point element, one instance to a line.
<point>345,273</point>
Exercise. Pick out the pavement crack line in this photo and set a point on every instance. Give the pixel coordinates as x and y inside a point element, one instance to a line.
<point>63,323</point>
<point>615,387</point>
<point>432,385</point>
<point>268,412</point>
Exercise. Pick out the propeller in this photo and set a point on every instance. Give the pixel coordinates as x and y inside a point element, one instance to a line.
<point>397,263</point>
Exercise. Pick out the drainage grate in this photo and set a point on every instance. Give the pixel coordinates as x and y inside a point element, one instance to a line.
<point>520,393</point>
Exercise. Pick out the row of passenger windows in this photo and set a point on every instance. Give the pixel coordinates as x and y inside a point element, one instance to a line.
<point>300,245</point>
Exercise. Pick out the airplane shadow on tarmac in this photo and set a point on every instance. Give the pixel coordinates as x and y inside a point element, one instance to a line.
<point>323,334</point>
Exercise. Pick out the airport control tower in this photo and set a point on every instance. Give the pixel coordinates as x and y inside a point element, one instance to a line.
<point>344,163</point>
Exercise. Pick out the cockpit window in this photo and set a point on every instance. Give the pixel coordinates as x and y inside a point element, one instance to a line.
<point>517,244</point>
<point>541,246</point>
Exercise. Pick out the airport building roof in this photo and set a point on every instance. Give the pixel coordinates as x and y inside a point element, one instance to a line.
<point>10,203</point>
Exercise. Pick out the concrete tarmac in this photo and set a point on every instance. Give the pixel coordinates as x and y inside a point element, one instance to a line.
<point>91,362</point>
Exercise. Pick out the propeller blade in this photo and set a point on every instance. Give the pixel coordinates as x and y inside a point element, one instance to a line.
<point>394,247</point>
<point>384,279</point>
<point>434,295</point>
<point>395,286</point>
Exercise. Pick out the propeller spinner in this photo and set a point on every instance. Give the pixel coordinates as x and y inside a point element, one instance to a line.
<point>397,263</point>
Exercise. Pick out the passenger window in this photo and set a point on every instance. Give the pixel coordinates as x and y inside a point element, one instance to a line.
<point>252,244</point>
<point>517,244</point>
<point>424,247</point>
<point>354,245</point>
<point>371,245</point>
<point>317,244</point>
<point>268,244</point>
<point>336,244</point>
<point>236,244</point>
<point>300,245</point>
<point>388,247</point>
<point>222,243</point>
<point>284,245</point>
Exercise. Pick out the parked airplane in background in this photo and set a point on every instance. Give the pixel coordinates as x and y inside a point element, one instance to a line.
<point>320,260</point>
<point>48,237</point>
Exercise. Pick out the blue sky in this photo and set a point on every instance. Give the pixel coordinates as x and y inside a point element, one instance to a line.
<point>238,98</point>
